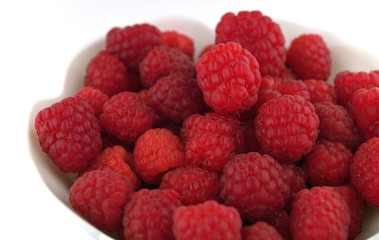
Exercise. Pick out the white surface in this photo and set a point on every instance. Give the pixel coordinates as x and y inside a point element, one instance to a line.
<point>40,38</point>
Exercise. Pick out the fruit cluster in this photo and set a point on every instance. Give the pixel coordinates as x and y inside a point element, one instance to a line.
<point>246,141</point>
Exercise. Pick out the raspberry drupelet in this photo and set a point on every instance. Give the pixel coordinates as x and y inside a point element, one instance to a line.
<point>320,91</point>
<point>228,75</point>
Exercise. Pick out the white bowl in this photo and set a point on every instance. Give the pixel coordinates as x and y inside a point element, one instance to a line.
<point>344,57</point>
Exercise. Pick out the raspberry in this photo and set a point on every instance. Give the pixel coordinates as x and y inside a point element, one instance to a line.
<point>132,43</point>
<point>208,220</point>
<point>210,140</point>
<point>148,214</point>
<point>296,179</point>
<point>286,86</point>
<point>117,160</point>
<point>364,109</point>
<point>194,185</point>
<point>320,91</point>
<point>346,83</point>
<point>260,231</point>
<point>100,196</point>
<point>108,74</point>
<point>126,116</point>
<point>255,185</point>
<point>179,41</point>
<point>319,213</point>
<point>264,95</point>
<point>155,152</point>
<point>281,222</point>
<point>94,97</point>
<point>162,61</point>
<point>69,133</point>
<point>258,34</point>
<point>337,125</point>
<point>309,57</point>
<point>176,97</point>
<point>286,127</point>
<point>328,164</point>
<point>228,75</point>
<point>356,208</point>
<point>364,171</point>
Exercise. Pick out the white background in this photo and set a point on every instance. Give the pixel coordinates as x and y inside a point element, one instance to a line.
<point>39,38</point>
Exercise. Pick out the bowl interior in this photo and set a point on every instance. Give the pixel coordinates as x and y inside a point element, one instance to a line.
<point>344,57</point>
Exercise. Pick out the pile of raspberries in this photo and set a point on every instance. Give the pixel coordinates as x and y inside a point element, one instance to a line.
<point>246,141</point>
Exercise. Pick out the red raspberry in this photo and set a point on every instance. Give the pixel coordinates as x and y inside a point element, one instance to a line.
<point>356,209</point>
<point>328,164</point>
<point>176,97</point>
<point>194,185</point>
<point>210,140</point>
<point>320,91</point>
<point>228,75</point>
<point>281,222</point>
<point>94,97</point>
<point>364,171</point>
<point>108,74</point>
<point>69,133</point>
<point>132,43</point>
<point>365,111</point>
<point>148,214</point>
<point>255,185</point>
<point>258,34</point>
<point>337,125</point>
<point>309,57</point>
<point>296,179</point>
<point>286,127</point>
<point>319,213</point>
<point>208,220</point>
<point>286,86</point>
<point>126,116</point>
<point>346,83</point>
<point>117,160</point>
<point>162,61</point>
<point>155,152</point>
<point>179,41</point>
<point>100,196</point>
<point>260,231</point>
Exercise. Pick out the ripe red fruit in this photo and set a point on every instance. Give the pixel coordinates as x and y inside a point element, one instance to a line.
<point>260,231</point>
<point>228,75</point>
<point>93,97</point>
<point>320,91</point>
<point>179,41</point>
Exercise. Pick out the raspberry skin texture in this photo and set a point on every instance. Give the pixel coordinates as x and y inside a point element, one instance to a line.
<point>337,125</point>
<point>346,83</point>
<point>107,73</point>
<point>260,231</point>
<point>356,208</point>
<point>365,111</point>
<point>328,164</point>
<point>132,43</point>
<point>179,41</point>
<point>320,91</point>
<point>100,196</point>
<point>126,116</point>
<point>176,97</point>
<point>296,178</point>
<point>286,86</point>
<point>148,215</point>
<point>364,171</point>
<point>69,133</point>
<point>319,213</point>
<point>93,97</point>
<point>255,185</point>
<point>162,61</point>
<point>309,57</point>
<point>115,159</point>
<point>194,185</point>
<point>210,140</point>
<point>287,127</point>
<point>280,220</point>
<point>259,35</point>
<point>155,152</point>
<point>208,220</point>
<point>228,75</point>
